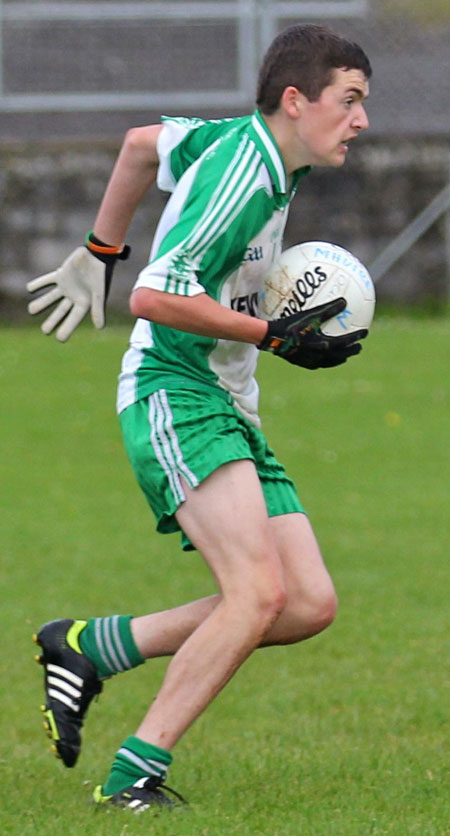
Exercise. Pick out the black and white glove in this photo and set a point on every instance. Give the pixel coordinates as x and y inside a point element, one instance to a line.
<point>80,285</point>
<point>299,340</point>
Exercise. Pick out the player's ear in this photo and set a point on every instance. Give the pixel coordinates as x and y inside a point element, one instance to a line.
<point>292,101</point>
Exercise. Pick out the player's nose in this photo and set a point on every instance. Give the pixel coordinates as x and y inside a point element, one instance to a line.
<point>361,120</point>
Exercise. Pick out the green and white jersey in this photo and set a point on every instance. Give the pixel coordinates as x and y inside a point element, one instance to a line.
<point>219,234</point>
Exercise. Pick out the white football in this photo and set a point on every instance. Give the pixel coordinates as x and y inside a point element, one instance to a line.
<point>310,274</point>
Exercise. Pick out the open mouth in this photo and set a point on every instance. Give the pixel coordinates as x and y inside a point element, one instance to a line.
<point>345,143</point>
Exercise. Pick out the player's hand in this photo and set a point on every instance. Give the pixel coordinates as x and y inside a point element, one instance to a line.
<point>299,340</point>
<point>338,352</point>
<point>80,285</point>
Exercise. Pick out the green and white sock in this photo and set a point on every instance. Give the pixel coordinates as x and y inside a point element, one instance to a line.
<point>109,644</point>
<point>136,759</point>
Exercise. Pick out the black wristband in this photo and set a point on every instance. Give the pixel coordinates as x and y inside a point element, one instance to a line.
<point>90,237</point>
<point>108,253</point>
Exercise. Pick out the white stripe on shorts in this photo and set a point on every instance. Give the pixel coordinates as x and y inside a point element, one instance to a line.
<point>166,445</point>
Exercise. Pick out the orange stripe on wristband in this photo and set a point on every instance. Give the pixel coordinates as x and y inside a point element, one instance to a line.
<point>104,249</point>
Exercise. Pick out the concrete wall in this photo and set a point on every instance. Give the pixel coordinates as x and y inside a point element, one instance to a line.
<point>50,193</point>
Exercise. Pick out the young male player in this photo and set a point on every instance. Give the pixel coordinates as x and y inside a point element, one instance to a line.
<point>188,398</point>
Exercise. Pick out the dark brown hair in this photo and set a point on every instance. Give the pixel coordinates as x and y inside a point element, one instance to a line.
<point>305,57</point>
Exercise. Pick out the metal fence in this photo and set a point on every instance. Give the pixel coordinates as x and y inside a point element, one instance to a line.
<point>88,70</point>
<point>68,56</point>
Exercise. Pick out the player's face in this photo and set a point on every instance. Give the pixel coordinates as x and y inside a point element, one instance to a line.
<point>330,123</point>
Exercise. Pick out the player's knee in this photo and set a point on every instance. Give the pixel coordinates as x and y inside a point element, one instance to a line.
<point>321,610</point>
<point>265,602</point>
<point>276,602</point>
<point>269,603</point>
<point>307,615</point>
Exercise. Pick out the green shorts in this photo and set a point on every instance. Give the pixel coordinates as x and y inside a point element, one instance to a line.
<point>173,434</point>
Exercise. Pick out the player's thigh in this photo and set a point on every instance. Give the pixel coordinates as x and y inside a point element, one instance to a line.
<point>310,592</point>
<point>177,438</point>
<point>225,517</point>
<point>308,584</point>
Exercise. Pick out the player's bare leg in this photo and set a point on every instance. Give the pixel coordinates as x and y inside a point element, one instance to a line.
<point>310,597</point>
<point>274,590</point>
<point>311,600</point>
<point>309,608</point>
<point>226,519</point>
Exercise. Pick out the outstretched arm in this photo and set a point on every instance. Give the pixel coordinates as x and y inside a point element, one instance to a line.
<point>133,175</point>
<point>82,282</point>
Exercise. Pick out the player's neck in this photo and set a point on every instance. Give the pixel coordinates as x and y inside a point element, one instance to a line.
<point>282,130</point>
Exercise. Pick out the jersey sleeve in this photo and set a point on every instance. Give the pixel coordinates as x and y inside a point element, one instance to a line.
<point>181,142</point>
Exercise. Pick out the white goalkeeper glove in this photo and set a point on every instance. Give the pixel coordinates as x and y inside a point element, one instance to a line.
<point>80,285</point>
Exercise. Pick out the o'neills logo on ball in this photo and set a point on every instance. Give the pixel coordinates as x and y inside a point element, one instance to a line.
<point>304,288</point>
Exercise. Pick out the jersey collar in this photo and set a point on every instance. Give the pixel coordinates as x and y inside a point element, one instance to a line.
<point>274,161</point>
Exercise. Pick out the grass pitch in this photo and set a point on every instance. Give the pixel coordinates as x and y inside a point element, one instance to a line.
<point>344,735</point>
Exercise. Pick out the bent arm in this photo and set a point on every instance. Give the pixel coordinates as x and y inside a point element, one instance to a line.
<point>198,314</point>
<point>133,174</point>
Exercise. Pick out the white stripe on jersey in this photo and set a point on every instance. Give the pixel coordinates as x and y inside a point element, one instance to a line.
<point>274,156</point>
<point>229,190</point>
<point>238,207</point>
<point>228,199</point>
